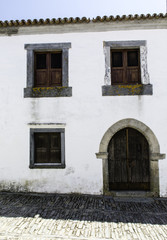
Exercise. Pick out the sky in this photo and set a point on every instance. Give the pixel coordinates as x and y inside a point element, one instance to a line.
<point>36,9</point>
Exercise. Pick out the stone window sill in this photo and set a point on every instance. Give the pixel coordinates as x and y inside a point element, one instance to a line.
<point>129,90</point>
<point>38,92</point>
<point>46,165</point>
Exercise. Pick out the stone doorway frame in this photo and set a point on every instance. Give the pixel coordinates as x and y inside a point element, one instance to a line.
<point>154,153</point>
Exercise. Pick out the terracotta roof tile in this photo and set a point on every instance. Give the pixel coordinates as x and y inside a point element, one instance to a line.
<point>55,21</point>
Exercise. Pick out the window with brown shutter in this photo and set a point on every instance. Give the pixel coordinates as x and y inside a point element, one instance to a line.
<point>47,148</point>
<point>125,66</point>
<point>126,70</point>
<point>48,69</point>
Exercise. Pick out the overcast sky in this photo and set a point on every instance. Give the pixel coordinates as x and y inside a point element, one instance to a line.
<point>31,9</point>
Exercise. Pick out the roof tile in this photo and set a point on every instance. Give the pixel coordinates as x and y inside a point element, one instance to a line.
<point>54,21</point>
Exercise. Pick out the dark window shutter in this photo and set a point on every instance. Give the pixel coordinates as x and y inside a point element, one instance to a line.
<point>117,59</point>
<point>56,69</point>
<point>125,66</point>
<point>48,69</point>
<point>47,147</point>
<point>56,60</point>
<point>132,58</point>
<point>40,61</point>
<point>41,70</point>
<point>55,148</point>
<point>55,77</point>
<point>132,71</point>
<point>41,147</point>
<point>117,73</point>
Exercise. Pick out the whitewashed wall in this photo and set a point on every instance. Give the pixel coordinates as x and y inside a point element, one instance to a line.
<point>87,114</point>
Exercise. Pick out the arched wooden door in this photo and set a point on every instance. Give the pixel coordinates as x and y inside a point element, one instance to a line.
<point>128,161</point>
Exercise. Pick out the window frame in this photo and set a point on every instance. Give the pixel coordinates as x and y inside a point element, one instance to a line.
<point>32,148</point>
<point>57,91</point>
<point>142,88</point>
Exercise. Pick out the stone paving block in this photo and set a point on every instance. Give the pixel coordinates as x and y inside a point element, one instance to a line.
<point>40,217</point>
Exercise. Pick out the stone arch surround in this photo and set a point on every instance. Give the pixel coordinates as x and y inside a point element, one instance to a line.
<point>154,153</point>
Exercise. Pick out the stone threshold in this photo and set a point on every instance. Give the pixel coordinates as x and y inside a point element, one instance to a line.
<point>131,194</point>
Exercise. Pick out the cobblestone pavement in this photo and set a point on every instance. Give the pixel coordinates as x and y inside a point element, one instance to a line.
<point>62,217</point>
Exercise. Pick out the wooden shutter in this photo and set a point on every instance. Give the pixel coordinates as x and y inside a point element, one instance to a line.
<point>48,69</point>
<point>56,69</point>
<point>132,68</point>
<point>41,71</point>
<point>117,63</point>
<point>41,141</point>
<point>55,148</point>
<point>125,66</point>
<point>47,147</point>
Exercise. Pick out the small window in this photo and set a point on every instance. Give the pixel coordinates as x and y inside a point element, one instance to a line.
<point>48,69</point>
<point>47,148</point>
<point>125,67</point>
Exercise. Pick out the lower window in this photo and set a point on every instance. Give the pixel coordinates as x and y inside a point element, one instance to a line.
<point>47,148</point>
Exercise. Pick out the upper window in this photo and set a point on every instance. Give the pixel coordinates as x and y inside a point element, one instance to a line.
<point>125,66</point>
<point>126,69</point>
<point>47,148</point>
<point>47,70</point>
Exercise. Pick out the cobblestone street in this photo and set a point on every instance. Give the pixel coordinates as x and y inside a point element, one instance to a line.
<point>46,217</point>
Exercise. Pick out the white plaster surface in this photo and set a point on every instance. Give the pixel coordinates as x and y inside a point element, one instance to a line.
<point>87,114</point>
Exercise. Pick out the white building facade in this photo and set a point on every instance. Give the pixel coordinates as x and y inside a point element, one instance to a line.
<point>84,106</point>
